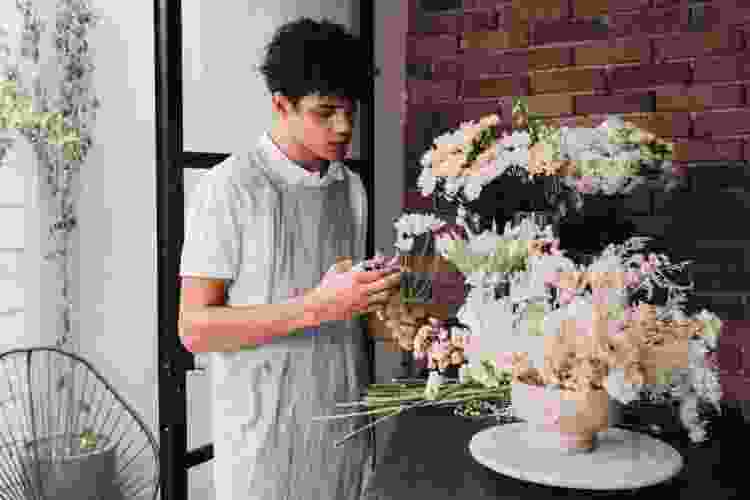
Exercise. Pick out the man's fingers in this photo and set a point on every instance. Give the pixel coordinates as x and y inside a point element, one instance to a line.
<point>372,276</point>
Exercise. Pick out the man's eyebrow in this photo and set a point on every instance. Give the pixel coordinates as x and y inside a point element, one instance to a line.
<point>331,106</point>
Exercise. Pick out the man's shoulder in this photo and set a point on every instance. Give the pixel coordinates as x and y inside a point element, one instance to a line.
<point>241,170</point>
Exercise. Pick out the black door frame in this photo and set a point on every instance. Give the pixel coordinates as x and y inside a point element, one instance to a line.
<point>171,158</point>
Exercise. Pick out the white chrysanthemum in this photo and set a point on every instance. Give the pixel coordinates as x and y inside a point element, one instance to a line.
<point>453,138</point>
<point>473,187</point>
<point>426,160</point>
<point>426,182</point>
<point>485,243</point>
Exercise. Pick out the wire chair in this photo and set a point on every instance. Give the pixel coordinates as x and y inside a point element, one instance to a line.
<point>65,433</point>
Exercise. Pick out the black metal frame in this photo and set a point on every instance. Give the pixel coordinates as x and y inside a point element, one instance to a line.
<point>174,361</point>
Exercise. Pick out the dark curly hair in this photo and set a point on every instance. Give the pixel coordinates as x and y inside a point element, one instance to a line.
<point>307,57</point>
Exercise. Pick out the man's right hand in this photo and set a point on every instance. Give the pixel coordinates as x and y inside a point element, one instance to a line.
<point>343,293</point>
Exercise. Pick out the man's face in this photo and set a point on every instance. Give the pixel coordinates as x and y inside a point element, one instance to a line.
<point>320,126</point>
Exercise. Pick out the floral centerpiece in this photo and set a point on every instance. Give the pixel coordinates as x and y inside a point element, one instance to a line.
<point>613,158</point>
<point>586,329</point>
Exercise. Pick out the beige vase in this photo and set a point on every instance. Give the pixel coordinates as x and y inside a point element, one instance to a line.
<point>561,420</point>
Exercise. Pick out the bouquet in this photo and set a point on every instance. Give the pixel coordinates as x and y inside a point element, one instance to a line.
<point>613,158</point>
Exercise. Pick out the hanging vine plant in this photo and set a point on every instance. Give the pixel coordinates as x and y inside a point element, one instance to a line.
<point>59,126</point>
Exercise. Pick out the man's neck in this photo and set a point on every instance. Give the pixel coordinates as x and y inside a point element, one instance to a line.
<point>289,151</point>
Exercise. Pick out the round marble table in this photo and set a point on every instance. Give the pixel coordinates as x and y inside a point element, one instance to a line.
<point>622,459</point>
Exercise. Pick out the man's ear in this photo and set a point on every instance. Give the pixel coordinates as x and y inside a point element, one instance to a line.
<point>281,104</point>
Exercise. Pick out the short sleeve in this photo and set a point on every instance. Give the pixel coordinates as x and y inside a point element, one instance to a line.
<point>212,243</point>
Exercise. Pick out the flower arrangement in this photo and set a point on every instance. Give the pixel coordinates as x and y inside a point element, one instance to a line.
<point>613,158</point>
<point>583,328</point>
<point>575,327</point>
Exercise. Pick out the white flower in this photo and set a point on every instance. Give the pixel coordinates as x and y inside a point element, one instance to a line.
<point>618,388</point>
<point>712,327</point>
<point>426,160</point>
<point>434,381</point>
<point>473,187</point>
<point>485,243</point>
<point>697,434</point>
<point>416,224</point>
<point>405,244</point>
<point>464,374</point>
<point>427,182</point>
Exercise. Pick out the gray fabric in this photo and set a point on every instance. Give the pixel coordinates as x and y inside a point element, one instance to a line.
<point>267,447</point>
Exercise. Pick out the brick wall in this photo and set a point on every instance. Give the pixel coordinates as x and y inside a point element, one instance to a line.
<point>680,69</point>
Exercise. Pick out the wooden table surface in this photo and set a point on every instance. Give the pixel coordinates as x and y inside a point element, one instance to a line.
<point>427,457</point>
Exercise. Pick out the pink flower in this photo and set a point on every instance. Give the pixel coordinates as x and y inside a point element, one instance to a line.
<point>504,360</point>
<point>616,327</point>
<point>444,334</point>
<point>585,185</point>
<point>471,345</point>
<point>632,278</point>
<point>566,296</point>
<point>553,279</point>
<point>488,168</point>
<point>585,327</point>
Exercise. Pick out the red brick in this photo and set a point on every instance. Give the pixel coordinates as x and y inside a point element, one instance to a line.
<point>512,38</point>
<point>707,150</point>
<point>588,8</point>
<point>413,200</point>
<point>649,75</point>
<point>622,103</point>
<point>424,91</point>
<point>437,24</point>
<point>482,4</point>
<point>495,87</point>
<point>719,42</point>
<point>572,80</point>
<point>614,52</point>
<point>664,125</point>
<point>431,46</point>
<point>544,32</point>
<point>722,123</point>
<point>716,69</point>
<point>728,12</point>
<point>541,9</point>
<point>478,64</point>
<point>479,20</point>
<point>649,21</point>
<point>448,69</point>
<point>551,104</point>
<point>698,97</point>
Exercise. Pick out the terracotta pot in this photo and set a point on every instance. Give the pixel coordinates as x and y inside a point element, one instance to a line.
<point>564,421</point>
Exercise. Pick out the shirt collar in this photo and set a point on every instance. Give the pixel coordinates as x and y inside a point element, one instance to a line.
<point>292,173</point>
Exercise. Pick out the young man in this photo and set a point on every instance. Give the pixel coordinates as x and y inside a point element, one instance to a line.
<point>260,227</point>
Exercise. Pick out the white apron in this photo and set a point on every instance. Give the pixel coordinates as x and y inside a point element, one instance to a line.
<point>267,447</point>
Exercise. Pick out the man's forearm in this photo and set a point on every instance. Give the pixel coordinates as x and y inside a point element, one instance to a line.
<point>229,328</point>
